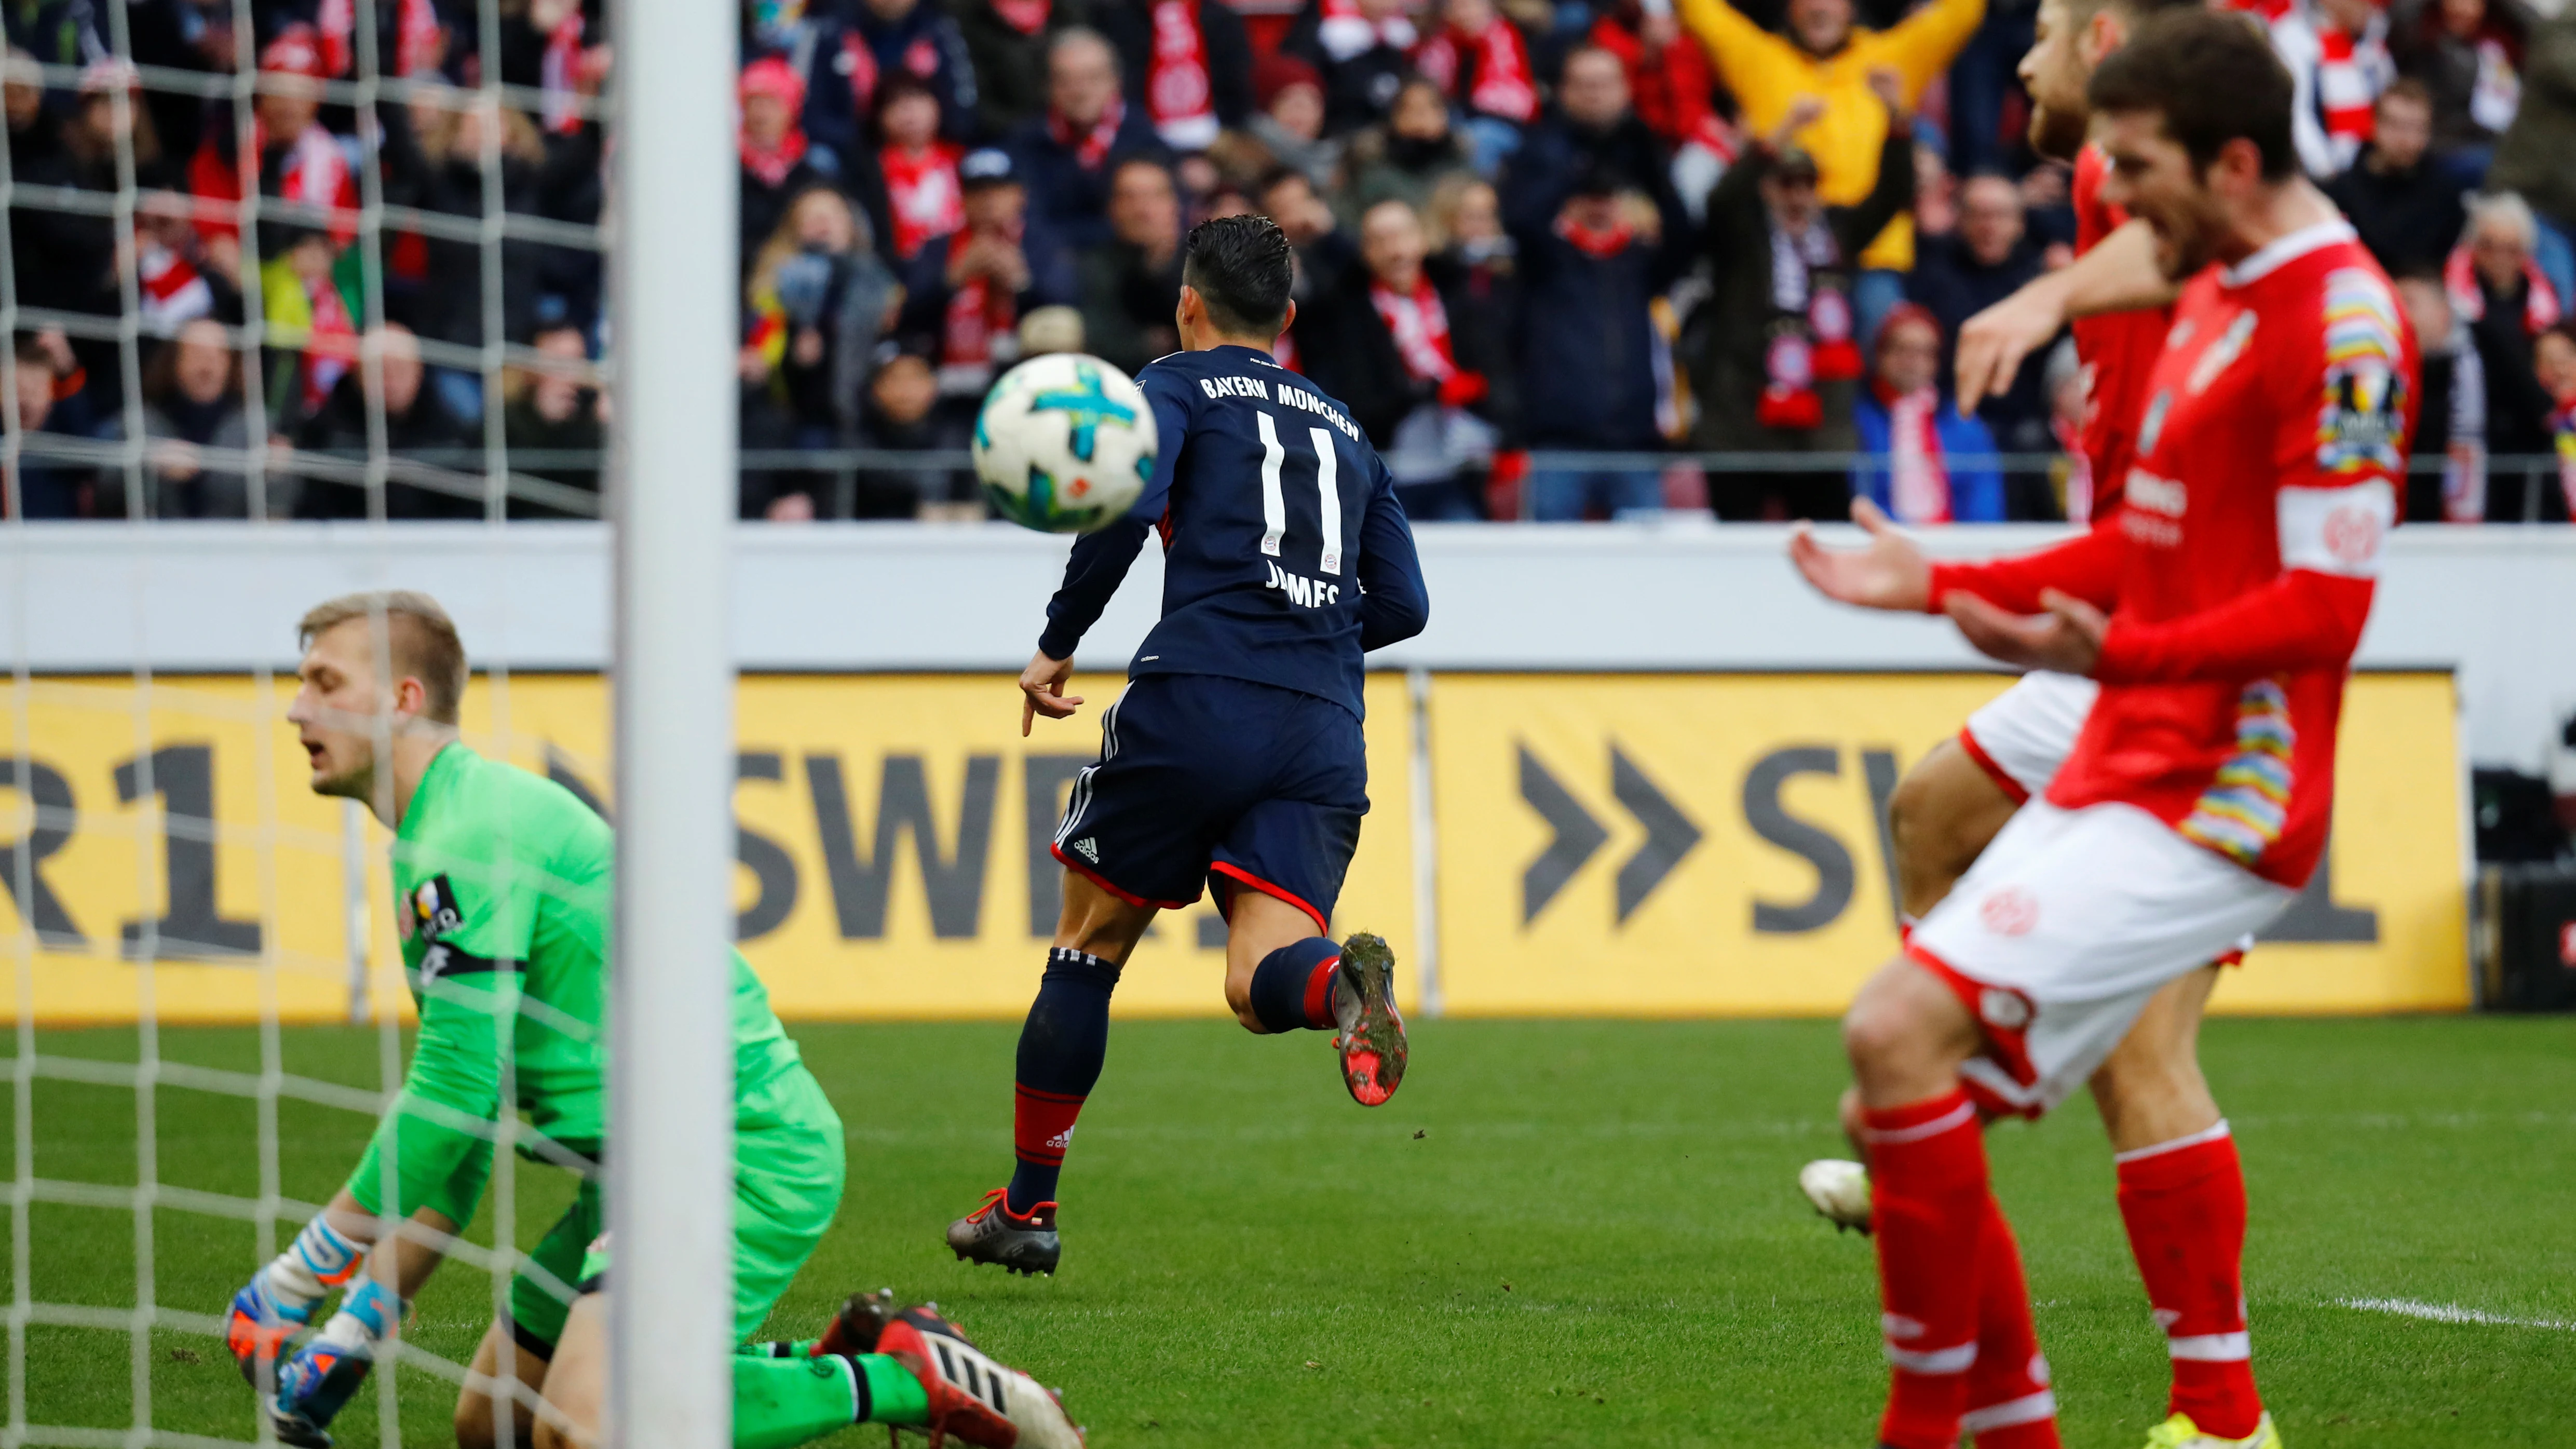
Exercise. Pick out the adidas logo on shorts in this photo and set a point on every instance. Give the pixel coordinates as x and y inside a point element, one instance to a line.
<point>1087,850</point>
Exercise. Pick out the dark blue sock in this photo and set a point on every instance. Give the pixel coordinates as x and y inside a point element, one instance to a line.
<point>1061,1049</point>
<point>1292,990</point>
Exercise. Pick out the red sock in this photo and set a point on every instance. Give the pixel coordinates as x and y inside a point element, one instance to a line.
<point>2184,1203</point>
<point>1041,1129</point>
<point>2009,1403</point>
<point>1319,994</point>
<point>1927,1168</point>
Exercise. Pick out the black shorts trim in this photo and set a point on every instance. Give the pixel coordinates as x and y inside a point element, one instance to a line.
<point>528,1341</point>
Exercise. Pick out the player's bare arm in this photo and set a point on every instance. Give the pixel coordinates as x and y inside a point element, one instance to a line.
<point>1042,690</point>
<point>2119,275</point>
<point>1889,572</point>
<point>2066,640</point>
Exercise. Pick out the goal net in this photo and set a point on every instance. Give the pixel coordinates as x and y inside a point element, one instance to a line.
<point>308,299</point>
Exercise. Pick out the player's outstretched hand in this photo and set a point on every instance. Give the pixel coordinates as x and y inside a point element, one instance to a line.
<point>2067,639</point>
<point>1890,573</point>
<point>1042,691</point>
<point>1993,343</point>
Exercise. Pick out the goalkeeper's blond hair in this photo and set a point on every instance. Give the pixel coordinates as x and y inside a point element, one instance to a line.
<point>421,641</point>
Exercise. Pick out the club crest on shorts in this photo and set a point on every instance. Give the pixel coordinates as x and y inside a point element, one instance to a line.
<point>432,911</point>
<point>2010,911</point>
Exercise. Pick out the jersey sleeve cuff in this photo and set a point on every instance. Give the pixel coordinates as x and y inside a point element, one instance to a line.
<point>1058,645</point>
<point>2127,655</point>
<point>1944,578</point>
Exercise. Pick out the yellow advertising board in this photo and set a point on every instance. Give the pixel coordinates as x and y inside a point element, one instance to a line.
<point>1711,844</point>
<point>892,845</point>
<point>1629,844</point>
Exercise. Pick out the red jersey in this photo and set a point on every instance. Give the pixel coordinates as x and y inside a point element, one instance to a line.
<point>2118,349</point>
<point>2269,462</point>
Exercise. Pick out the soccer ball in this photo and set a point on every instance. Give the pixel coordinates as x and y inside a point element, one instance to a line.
<point>1065,443</point>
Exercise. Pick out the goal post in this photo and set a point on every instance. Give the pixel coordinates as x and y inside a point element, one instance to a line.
<point>671,505</point>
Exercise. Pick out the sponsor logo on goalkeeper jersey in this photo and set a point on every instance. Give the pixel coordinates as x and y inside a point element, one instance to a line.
<point>434,912</point>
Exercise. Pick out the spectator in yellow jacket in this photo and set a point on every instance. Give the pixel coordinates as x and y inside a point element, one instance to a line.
<point>1824,55</point>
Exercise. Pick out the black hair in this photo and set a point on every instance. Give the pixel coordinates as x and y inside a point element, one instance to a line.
<point>2212,78</point>
<point>1241,268</point>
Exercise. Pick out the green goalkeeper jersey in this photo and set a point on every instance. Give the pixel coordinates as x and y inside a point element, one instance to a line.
<point>502,885</point>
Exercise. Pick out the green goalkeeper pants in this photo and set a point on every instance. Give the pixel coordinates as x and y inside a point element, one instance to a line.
<point>788,1167</point>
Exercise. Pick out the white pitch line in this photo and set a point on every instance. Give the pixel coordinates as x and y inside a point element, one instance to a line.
<point>2448,1313</point>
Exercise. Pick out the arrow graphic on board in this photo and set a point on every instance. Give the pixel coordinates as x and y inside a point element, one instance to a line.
<point>1670,835</point>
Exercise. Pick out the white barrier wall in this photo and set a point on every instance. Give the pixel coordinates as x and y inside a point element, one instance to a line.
<point>2495,605</point>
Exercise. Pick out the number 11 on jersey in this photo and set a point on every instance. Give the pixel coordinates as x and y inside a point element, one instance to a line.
<point>1274,502</point>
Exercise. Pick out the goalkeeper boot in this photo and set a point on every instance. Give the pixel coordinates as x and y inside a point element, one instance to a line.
<point>1022,1243</point>
<point>257,1327</point>
<point>972,1398</point>
<point>2179,1432</point>
<point>1372,1033</point>
<point>1839,1190</point>
<point>311,1388</point>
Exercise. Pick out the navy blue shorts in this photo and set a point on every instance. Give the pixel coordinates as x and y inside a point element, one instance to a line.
<point>1237,784</point>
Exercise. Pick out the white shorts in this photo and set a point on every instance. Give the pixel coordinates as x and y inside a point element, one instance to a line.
<point>2060,932</point>
<point>2022,735</point>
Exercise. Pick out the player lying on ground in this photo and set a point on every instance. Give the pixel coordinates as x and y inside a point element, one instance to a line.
<point>2219,618</point>
<point>1234,757</point>
<point>2176,1160</point>
<point>502,887</point>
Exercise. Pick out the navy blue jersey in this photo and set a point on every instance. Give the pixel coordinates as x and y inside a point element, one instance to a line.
<point>1285,554</point>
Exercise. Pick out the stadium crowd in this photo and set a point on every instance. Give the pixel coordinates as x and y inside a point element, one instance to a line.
<point>1536,240</point>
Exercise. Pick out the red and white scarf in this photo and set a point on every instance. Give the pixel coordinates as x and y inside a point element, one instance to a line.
<point>1503,86</point>
<point>1420,327</point>
<point>2541,308</point>
<point>1812,341</point>
<point>2351,71</point>
<point>1918,477</point>
<point>556,74</point>
<point>979,313</point>
<point>172,292</point>
<point>922,191</point>
<point>1090,148</point>
<point>1346,32</point>
<point>419,40</point>
<point>314,172</point>
<point>1028,17</point>
<point>1178,95</point>
<point>317,173</point>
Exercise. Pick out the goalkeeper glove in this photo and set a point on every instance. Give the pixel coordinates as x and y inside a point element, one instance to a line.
<point>313,1386</point>
<point>280,1298</point>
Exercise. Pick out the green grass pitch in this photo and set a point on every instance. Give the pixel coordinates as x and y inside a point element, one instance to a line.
<point>1558,1234</point>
